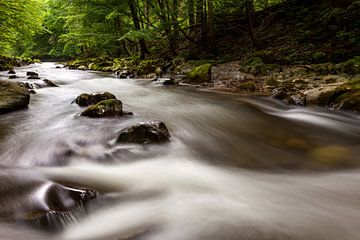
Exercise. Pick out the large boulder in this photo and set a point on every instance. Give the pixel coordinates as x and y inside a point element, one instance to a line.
<point>12,96</point>
<point>105,108</point>
<point>145,133</point>
<point>199,74</point>
<point>85,99</point>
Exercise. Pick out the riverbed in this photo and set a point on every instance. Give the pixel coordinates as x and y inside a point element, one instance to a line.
<point>237,167</point>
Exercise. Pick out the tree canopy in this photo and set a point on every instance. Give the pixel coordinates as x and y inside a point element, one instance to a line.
<point>90,28</point>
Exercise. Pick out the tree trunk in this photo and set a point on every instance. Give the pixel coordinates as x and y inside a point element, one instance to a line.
<point>191,14</point>
<point>211,27</point>
<point>143,48</point>
<point>249,13</point>
<point>201,19</point>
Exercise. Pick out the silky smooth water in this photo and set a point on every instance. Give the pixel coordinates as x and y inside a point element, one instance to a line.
<point>236,167</point>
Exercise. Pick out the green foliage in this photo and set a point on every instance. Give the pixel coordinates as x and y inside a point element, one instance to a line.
<point>20,20</point>
<point>247,86</point>
<point>351,66</point>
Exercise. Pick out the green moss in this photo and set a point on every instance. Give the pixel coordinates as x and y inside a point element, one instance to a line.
<point>318,57</point>
<point>199,62</point>
<point>105,108</point>
<point>351,102</point>
<point>325,69</point>
<point>351,66</point>
<point>85,99</point>
<point>344,97</point>
<point>272,82</point>
<point>253,61</point>
<point>247,86</point>
<point>200,74</point>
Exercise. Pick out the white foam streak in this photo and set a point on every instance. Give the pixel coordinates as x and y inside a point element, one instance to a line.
<point>197,201</point>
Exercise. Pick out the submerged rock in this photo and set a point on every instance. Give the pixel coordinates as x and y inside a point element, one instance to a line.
<point>50,83</point>
<point>124,74</point>
<point>170,81</point>
<point>13,77</point>
<point>105,108</point>
<point>32,74</point>
<point>145,133</point>
<point>297,99</point>
<point>85,99</point>
<point>12,96</point>
<point>29,85</point>
<point>11,72</point>
<point>26,196</point>
<point>34,77</point>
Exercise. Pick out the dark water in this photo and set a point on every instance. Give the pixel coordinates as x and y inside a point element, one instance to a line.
<point>236,168</point>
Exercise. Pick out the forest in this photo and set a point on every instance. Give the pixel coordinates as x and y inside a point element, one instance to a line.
<point>170,28</point>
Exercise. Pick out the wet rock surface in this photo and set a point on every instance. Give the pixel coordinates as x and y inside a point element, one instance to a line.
<point>86,99</point>
<point>32,74</point>
<point>150,132</point>
<point>49,83</point>
<point>26,196</point>
<point>105,108</point>
<point>12,96</point>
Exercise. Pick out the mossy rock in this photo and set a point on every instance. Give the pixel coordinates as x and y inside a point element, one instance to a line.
<point>13,96</point>
<point>272,82</point>
<point>351,66</point>
<point>200,74</point>
<point>344,97</point>
<point>86,99</point>
<point>331,156</point>
<point>247,86</point>
<point>105,108</point>
<point>351,102</point>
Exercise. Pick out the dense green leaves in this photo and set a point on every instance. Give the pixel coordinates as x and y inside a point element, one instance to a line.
<point>19,21</point>
<point>91,28</point>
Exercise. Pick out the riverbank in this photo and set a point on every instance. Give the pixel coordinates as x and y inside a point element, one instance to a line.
<point>297,56</point>
<point>335,86</point>
<point>8,63</point>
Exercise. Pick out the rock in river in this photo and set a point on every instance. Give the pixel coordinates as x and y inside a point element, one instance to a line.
<point>85,99</point>
<point>145,133</point>
<point>50,83</point>
<point>105,108</point>
<point>32,74</point>
<point>12,96</point>
<point>34,77</point>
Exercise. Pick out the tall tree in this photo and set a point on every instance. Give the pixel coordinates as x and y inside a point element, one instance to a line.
<point>143,48</point>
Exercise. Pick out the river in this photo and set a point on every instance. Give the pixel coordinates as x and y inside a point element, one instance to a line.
<point>237,167</point>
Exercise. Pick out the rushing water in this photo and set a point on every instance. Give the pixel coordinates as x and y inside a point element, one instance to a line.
<point>236,167</point>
